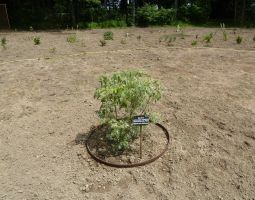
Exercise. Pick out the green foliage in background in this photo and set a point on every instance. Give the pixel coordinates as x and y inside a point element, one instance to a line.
<point>150,15</point>
<point>124,95</point>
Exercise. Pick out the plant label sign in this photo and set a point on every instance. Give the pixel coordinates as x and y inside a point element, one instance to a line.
<point>141,120</point>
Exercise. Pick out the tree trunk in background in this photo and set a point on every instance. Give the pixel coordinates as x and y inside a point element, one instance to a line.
<point>243,11</point>
<point>134,12</point>
<point>73,13</point>
<point>176,7</point>
<point>235,11</point>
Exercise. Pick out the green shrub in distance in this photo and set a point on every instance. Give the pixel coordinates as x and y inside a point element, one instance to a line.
<point>37,40</point>
<point>123,96</point>
<point>108,35</point>
<point>72,38</point>
<point>239,39</point>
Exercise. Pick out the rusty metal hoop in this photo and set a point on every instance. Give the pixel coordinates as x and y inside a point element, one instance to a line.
<point>133,164</point>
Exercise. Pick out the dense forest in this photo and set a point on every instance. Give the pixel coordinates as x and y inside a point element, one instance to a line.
<point>113,13</point>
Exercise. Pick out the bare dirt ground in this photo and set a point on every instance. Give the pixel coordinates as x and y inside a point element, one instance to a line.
<point>46,101</point>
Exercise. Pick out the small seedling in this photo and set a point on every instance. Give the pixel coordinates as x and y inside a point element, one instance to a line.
<point>225,36</point>
<point>102,43</point>
<point>182,35</point>
<point>3,42</point>
<point>239,39</point>
<point>139,37</point>
<point>208,37</point>
<point>167,38</point>
<point>71,38</point>
<point>178,28</point>
<point>53,50</point>
<point>37,40</point>
<point>171,40</point>
<point>123,41</point>
<point>224,32</point>
<point>194,43</point>
<point>83,44</point>
<point>108,35</point>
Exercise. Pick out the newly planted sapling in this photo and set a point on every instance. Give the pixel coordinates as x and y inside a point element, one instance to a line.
<point>194,43</point>
<point>208,38</point>
<point>224,32</point>
<point>72,38</point>
<point>123,96</point>
<point>3,42</point>
<point>239,39</point>
<point>102,43</point>
<point>108,35</point>
<point>37,40</point>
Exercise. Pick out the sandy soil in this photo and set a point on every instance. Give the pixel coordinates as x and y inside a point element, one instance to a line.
<point>46,101</point>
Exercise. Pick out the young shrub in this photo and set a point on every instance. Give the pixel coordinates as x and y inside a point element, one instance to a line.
<point>37,40</point>
<point>208,38</point>
<point>102,43</point>
<point>3,42</point>
<point>194,43</point>
<point>71,38</point>
<point>239,39</point>
<point>123,96</point>
<point>108,35</point>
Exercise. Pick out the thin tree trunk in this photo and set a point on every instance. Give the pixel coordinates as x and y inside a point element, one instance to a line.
<point>73,13</point>
<point>235,14</point>
<point>134,12</point>
<point>243,11</point>
<point>176,8</point>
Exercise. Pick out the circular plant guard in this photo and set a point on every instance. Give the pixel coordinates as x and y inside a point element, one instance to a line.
<point>127,165</point>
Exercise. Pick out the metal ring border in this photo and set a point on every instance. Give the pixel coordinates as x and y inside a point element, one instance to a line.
<point>134,164</point>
